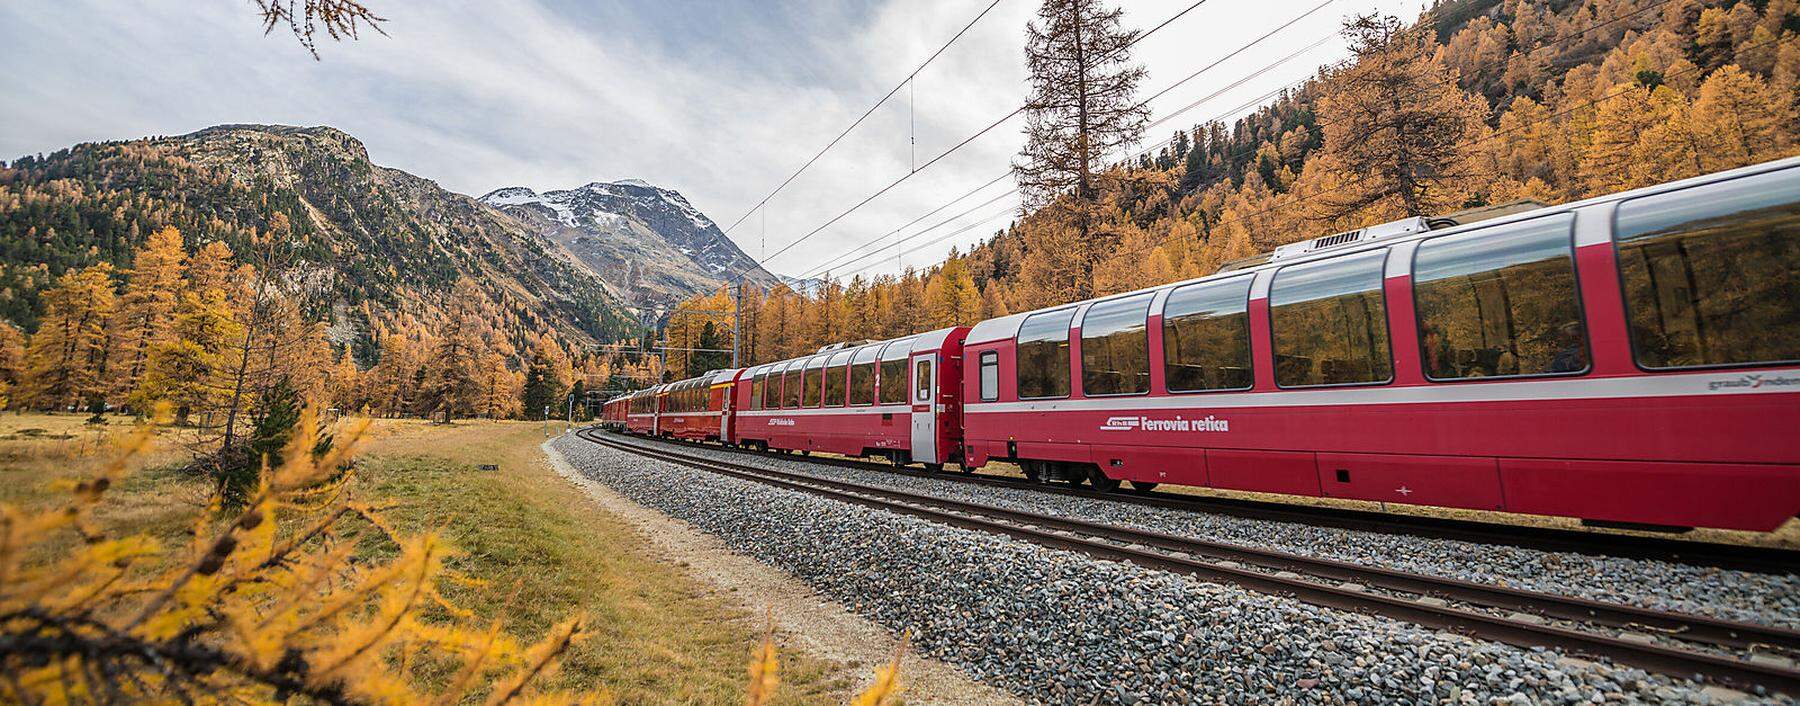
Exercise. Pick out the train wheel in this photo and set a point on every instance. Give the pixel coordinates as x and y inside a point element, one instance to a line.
<point>1101,481</point>
<point>1142,486</point>
<point>894,459</point>
<point>934,467</point>
<point>1032,472</point>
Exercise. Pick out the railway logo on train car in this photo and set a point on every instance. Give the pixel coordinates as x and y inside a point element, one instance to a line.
<point>1753,382</point>
<point>1177,424</point>
<point>780,422</point>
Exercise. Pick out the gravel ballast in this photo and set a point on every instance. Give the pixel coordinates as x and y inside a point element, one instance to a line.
<point>1767,599</point>
<point>1059,627</point>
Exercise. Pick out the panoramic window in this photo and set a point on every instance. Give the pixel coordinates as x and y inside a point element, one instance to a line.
<point>1043,355</point>
<point>1330,322</point>
<point>893,372</point>
<point>815,381</point>
<point>862,375</point>
<point>1710,273</point>
<point>790,385</point>
<point>1206,337</point>
<point>1500,301</point>
<point>1115,347</point>
<point>990,376</point>
<point>756,391</point>
<point>835,379</point>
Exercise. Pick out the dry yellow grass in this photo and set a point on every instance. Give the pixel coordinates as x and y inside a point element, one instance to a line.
<point>541,549</point>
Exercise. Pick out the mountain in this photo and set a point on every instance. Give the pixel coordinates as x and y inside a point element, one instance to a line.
<point>369,244</point>
<point>648,244</point>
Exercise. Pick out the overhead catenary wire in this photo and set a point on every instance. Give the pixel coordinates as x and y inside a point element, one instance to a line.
<point>953,148</point>
<point>1260,99</point>
<point>1259,72</point>
<point>865,116</point>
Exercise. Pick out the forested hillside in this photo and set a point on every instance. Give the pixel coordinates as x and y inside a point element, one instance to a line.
<point>367,247</point>
<point>1550,100</point>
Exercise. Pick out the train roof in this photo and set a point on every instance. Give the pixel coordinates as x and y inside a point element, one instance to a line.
<point>1006,327</point>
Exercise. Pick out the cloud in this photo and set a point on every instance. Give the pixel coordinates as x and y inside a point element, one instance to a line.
<point>718,100</point>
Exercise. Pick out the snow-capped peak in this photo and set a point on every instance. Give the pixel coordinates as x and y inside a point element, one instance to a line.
<point>633,182</point>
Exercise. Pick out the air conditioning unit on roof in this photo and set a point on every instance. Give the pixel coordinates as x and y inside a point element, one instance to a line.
<point>1407,226</point>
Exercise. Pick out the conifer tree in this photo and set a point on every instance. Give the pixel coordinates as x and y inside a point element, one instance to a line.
<point>1083,108</point>
<point>190,370</point>
<point>12,360</point>
<point>951,299</point>
<point>1397,120</point>
<point>65,362</point>
<point>1740,119</point>
<point>146,311</point>
<point>453,377</point>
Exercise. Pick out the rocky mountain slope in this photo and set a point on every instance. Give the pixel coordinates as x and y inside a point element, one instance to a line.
<point>372,243</point>
<point>650,246</point>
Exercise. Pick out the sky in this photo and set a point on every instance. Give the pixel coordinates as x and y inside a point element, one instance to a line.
<point>719,100</point>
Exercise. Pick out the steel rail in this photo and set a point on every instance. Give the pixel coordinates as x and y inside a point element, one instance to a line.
<point>1350,587</point>
<point>1768,560</point>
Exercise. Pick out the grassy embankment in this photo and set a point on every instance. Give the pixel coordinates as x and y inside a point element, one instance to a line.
<point>541,549</point>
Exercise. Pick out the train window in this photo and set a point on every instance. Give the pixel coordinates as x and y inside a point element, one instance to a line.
<point>790,386</point>
<point>1043,355</point>
<point>990,376</point>
<point>756,391</point>
<point>892,378</point>
<point>922,380</point>
<point>1500,301</point>
<point>862,375</point>
<point>836,373</point>
<point>1330,322</point>
<point>1206,337</point>
<point>1115,347</point>
<point>772,388</point>
<point>815,381</point>
<point>1710,273</point>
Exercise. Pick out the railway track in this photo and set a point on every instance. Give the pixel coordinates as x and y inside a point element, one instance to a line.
<point>1766,560</point>
<point>1676,644</point>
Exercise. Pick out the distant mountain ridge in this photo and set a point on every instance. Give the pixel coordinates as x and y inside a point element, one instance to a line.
<point>370,244</point>
<point>649,244</point>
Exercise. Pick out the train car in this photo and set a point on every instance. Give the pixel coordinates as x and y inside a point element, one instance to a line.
<point>640,411</point>
<point>1630,360</point>
<point>613,411</point>
<point>898,399</point>
<point>695,408</point>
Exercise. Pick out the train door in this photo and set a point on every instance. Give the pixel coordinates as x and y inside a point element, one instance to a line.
<point>924,407</point>
<point>726,427</point>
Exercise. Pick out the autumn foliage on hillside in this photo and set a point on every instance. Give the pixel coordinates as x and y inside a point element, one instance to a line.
<point>193,326</point>
<point>1479,103</point>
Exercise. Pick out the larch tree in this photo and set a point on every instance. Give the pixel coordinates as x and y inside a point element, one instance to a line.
<point>1741,119</point>
<point>951,298</point>
<point>65,363</point>
<point>12,360</point>
<point>453,376</point>
<point>190,370</point>
<point>1619,123</point>
<point>146,311</point>
<point>1082,109</point>
<point>1398,122</point>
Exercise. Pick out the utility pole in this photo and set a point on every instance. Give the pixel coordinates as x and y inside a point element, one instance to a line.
<point>737,323</point>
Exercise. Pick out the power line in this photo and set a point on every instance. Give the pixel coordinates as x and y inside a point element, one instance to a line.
<point>1496,134</point>
<point>865,116</point>
<point>1158,94</point>
<point>959,145</point>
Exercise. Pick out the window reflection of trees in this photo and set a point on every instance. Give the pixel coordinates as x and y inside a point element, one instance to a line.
<point>1500,302</point>
<point>1206,337</point>
<point>1329,321</point>
<point>1115,347</point>
<point>1043,355</point>
<point>1709,273</point>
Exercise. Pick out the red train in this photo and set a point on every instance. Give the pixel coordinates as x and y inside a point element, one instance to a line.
<point>1630,360</point>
